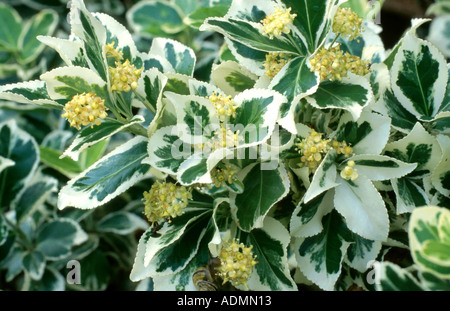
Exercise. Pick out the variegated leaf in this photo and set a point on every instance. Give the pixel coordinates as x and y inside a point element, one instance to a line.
<point>409,195</point>
<point>11,27</point>
<point>30,92</point>
<point>419,77</point>
<point>65,82</point>
<point>155,18</point>
<point>20,148</point>
<point>270,243</point>
<point>263,189</point>
<point>70,51</point>
<point>440,177</point>
<point>394,278</point>
<point>368,135</point>
<point>88,136</point>
<point>417,147</point>
<point>379,167</point>
<point>43,23</point>
<point>306,219</point>
<point>429,238</point>
<point>362,207</point>
<point>320,257</point>
<point>181,58</point>
<point>361,252</point>
<point>324,177</point>
<point>93,34</point>
<point>164,150</point>
<point>351,94</point>
<point>122,223</point>
<point>232,78</point>
<point>108,177</point>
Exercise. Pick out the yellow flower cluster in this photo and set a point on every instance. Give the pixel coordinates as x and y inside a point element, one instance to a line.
<point>222,176</point>
<point>342,148</point>
<point>347,23</point>
<point>274,62</point>
<point>165,200</point>
<point>223,138</point>
<point>277,22</point>
<point>334,64</point>
<point>85,109</point>
<point>312,150</point>
<point>113,52</point>
<point>124,76</point>
<point>224,105</point>
<point>236,263</point>
<point>349,172</point>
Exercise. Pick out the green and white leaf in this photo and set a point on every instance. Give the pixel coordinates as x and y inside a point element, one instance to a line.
<point>150,87</point>
<point>43,23</point>
<point>394,278</point>
<point>34,264</point>
<point>417,147</point>
<point>250,58</point>
<point>70,51</point>
<point>438,33</point>
<point>440,177</point>
<point>389,105</point>
<point>409,195</point>
<point>256,115</point>
<point>66,82</point>
<point>351,94</point>
<point>56,238</point>
<point>108,177</point>
<point>363,208</point>
<point>232,78</point>
<point>248,33</point>
<point>33,196</point>
<point>10,27</point>
<point>270,243</point>
<point>368,135</point>
<point>121,223</point>
<point>441,122</point>
<point>166,151</point>
<point>196,18</point>
<point>263,189</point>
<point>362,252</point>
<point>320,257</point>
<point>181,57</point>
<point>155,18</point>
<point>88,136</point>
<point>324,177</point>
<point>429,239</point>
<point>51,280</point>
<point>178,241</point>
<point>379,167</point>
<point>17,146</point>
<point>93,34</point>
<point>29,92</point>
<point>419,77</point>
<point>5,163</point>
<point>306,219</point>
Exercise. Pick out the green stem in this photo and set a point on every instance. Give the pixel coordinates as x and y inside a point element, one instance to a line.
<point>23,239</point>
<point>138,130</point>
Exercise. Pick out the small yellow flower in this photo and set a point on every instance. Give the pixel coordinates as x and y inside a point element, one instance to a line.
<point>113,52</point>
<point>85,109</point>
<point>222,176</point>
<point>236,263</point>
<point>224,106</point>
<point>333,64</point>
<point>347,23</point>
<point>277,22</point>
<point>165,200</point>
<point>349,172</point>
<point>124,76</point>
<point>312,150</point>
<point>223,138</point>
<point>275,61</point>
<point>342,148</point>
